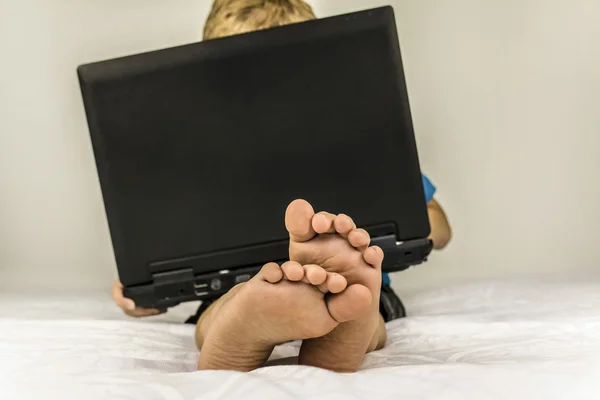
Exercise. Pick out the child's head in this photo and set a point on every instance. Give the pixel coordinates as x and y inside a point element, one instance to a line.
<point>231,17</point>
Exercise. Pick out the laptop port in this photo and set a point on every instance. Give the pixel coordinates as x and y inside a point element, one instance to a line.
<point>199,293</point>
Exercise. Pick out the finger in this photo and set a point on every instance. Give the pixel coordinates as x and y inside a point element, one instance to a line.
<point>116,291</point>
<point>144,312</point>
<point>323,222</point>
<point>117,295</point>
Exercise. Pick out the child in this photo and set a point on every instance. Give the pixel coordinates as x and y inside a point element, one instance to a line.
<point>328,253</point>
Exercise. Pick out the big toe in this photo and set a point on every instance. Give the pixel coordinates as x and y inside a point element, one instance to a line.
<point>298,221</point>
<point>349,304</point>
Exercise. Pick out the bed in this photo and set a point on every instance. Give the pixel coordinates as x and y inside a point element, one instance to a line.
<point>489,340</point>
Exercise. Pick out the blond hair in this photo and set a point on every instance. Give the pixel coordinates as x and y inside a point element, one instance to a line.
<point>231,17</point>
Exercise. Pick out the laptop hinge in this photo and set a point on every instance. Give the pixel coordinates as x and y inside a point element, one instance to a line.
<point>174,286</point>
<point>167,289</point>
<point>402,255</point>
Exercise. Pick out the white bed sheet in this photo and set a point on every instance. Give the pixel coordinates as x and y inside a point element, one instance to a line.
<point>495,340</point>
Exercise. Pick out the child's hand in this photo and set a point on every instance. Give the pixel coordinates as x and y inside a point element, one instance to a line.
<point>128,306</point>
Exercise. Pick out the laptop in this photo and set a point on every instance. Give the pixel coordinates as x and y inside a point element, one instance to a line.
<point>200,148</point>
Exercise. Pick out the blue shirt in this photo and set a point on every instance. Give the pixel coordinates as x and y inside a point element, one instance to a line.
<point>429,192</point>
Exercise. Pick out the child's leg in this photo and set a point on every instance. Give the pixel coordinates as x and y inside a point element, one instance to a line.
<point>379,338</point>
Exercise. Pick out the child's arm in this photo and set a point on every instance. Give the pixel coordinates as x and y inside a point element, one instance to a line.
<point>441,233</point>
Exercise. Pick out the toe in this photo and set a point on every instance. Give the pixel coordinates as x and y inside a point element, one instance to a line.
<point>298,221</point>
<point>315,274</point>
<point>373,256</point>
<point>271,273</point>
<point>293,271</point>
<point>349,304</point>
<point>335,283</point>
<point>322,223</point>
<point>344,225</point>
<point>359,238</point>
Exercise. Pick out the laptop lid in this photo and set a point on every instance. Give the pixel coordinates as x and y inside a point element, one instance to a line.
<point>200,148</point>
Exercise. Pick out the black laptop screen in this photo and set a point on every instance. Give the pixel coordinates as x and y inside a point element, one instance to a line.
<point>200,148</point>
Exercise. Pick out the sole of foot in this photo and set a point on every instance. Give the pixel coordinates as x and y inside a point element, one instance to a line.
<point>277,305</point>
<point>334,243</point>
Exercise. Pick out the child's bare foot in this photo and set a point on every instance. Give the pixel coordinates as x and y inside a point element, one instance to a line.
<point>334,243</point>
<point>274,307</point>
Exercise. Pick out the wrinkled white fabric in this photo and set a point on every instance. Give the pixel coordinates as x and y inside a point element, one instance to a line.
<point>495,340</point>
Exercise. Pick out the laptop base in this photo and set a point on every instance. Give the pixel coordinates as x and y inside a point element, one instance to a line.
<point>176,286</point>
